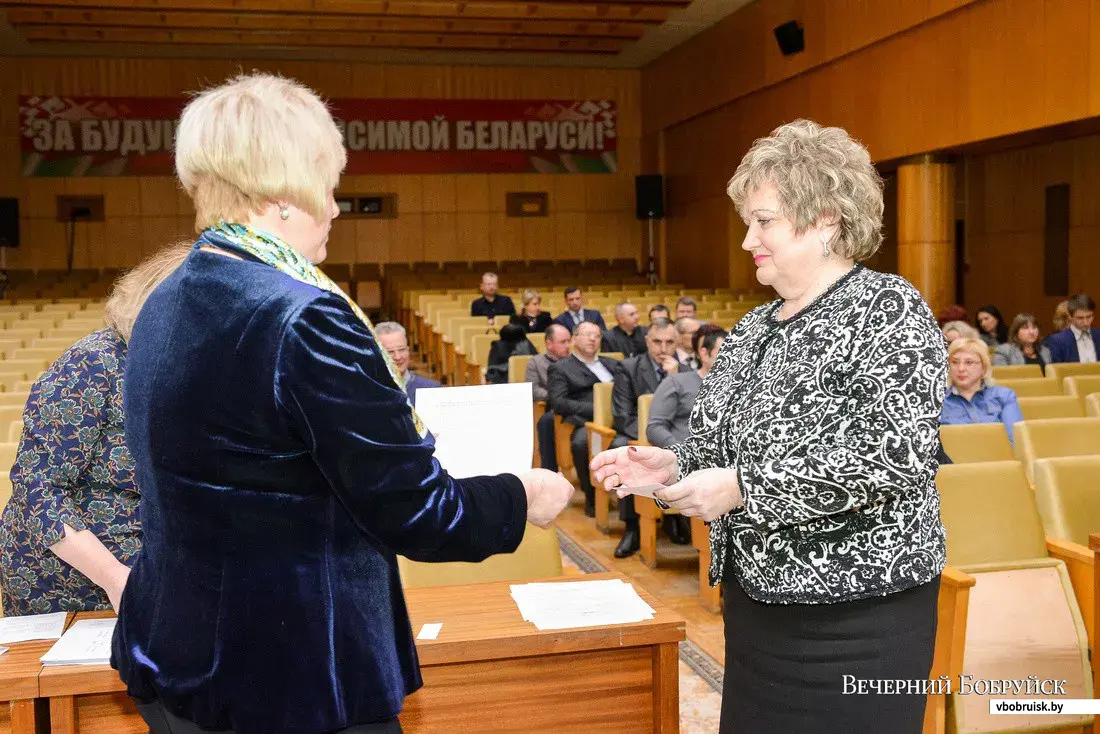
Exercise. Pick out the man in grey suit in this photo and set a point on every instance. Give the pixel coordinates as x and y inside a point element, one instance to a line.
<point>635,377</point>
<point>558,340</point>
<point>570,384</point>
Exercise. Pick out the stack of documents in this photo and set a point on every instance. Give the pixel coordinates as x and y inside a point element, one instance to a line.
<point>88,642</point>
<point>568,604</point>
<point>32,627</point>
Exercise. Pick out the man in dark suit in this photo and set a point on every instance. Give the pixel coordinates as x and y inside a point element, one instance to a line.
<point>391,335</point>
<point>1080,342</point>
<point>575,312</point>
<point>627,336</point>
<point>569,384</point>
<point>491,304</point>
<point>635,377</point>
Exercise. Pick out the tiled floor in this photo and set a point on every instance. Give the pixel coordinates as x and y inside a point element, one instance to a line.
<point>675,583</point>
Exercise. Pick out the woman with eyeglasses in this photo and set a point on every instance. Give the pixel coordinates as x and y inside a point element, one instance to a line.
<point>971,396</point>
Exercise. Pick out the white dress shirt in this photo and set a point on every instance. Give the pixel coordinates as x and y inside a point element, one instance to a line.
<point>1086,349</point>
<point>597,368</point>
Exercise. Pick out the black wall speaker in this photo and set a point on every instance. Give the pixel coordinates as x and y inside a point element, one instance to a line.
<point>9,222</point>
<point>649,196</point>
<point>790,38</point>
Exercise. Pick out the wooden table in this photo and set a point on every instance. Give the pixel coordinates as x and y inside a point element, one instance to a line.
<point>491,670</point>
<point>487,669</point>
<point>19,668</point>
<point>88,698</point>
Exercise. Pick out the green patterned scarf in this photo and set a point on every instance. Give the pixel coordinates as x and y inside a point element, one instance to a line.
<point>273,251</point>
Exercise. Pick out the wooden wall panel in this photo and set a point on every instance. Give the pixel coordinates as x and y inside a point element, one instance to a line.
<point>441,218</point>
<point>903,76</point>
<point>1004,215</point>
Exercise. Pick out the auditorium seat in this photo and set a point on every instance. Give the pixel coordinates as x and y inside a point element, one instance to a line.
<point>9,381</point>
<point>1061,370</point>
<point>1033,388</point>
<point>1092,405</point>
<point>1068,495</point>
<point>10,415</point>
<point>1004,642</point>
<point>1081,387</point>
<point>49,354</point>
<point>1051,407</point>
<point>1017,372</point>
<point>600,436</point>
<point>517,367</point>
<point>14,398</point>
<point>976,442</point>
<point>991,516</point>
<point>649,514</point>
<point>15,430</point>
<point>538,556</point>
<point>1053,437</point>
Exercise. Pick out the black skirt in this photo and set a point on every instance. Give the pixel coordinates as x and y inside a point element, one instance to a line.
<point>786,664</point>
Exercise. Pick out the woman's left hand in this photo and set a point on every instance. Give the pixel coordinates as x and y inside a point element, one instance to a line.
<point>707,494</point>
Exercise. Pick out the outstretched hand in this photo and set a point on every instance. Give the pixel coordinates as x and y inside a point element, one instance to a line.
<point>633,466</point>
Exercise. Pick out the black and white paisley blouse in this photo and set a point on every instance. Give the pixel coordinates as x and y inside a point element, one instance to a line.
<point>831,419</point>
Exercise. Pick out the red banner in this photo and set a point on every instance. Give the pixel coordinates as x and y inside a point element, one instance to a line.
<point>135,136</point>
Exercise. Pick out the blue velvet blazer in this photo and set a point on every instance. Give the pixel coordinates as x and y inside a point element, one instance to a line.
<point>281,472</point>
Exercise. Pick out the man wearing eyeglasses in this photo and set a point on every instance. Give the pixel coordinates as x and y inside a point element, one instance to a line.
<point>393,339</point>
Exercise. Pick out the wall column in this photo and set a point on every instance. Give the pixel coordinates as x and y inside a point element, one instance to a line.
<point>926,228</point>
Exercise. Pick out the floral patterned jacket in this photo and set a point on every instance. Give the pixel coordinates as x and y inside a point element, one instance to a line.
<point>73,468</point>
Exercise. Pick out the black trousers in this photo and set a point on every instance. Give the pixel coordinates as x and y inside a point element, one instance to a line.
<point>786,663</point>
<point>161,721</point>
<point>545,432</point>
<point>578,445</point>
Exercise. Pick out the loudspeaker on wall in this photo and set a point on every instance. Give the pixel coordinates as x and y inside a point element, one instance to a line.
<point>649,196</point>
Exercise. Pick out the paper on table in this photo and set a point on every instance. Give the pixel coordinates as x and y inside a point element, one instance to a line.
<point>430,631</point>
<point>88,642</point>
<point>565,605</point>
<point>32,627</point>
<point>480,429</point>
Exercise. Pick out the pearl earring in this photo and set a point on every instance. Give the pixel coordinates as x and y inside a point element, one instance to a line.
<point>284,213</point>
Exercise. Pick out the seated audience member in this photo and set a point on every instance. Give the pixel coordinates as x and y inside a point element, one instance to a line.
<point>951,313</point>
<point>491,304</point>
<point>391,335</point>
<point>558,340</point>
<point>71,530</point>
<point>1080,342</point>
<point>638,376</point>
<point>513,342</point>
<point>660,311</point>
<point>686,328</point>
<point>954,330</point>
<point>991,326</point>
<point>532,318</point>
<point>626,336</point>
<point>1059,320</point>
<point>686,308</point>
<point>1023,346</point>
<point>672,401</point>
<point>671,408</point>
<point>575,312</point>
<point>569,385</point>
<point>971,396</point>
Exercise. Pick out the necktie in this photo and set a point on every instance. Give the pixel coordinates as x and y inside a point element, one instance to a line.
<point>576,317</point>
<point>661,374</point>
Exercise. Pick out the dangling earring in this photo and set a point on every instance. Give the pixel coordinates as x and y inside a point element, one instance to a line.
<point>284,213</point>
<point>825,246</point>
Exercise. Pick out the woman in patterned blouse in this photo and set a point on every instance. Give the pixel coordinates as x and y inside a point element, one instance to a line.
<point>71,526</point>
<point>812,454</point>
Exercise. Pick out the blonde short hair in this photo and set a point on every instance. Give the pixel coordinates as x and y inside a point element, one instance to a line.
<point>976,347</point>
<point>130,291</point>
<point>529,295</point>
<point>257,139</point>
<point>819,173</point>
<point>963,329</point>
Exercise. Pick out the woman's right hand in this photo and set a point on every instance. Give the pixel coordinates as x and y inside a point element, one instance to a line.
<point>547,495</point>
<point>634,466</point>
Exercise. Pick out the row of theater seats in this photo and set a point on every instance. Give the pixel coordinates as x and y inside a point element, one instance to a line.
<point>454,345</point>
<point>33,334</point>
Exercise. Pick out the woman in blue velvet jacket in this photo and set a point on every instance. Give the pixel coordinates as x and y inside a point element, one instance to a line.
<point>281,463</point>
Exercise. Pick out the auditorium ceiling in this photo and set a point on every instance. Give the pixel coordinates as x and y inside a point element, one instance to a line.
<point>612,33</point>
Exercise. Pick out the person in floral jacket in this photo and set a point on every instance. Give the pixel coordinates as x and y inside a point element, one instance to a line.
<point>71,526</point>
